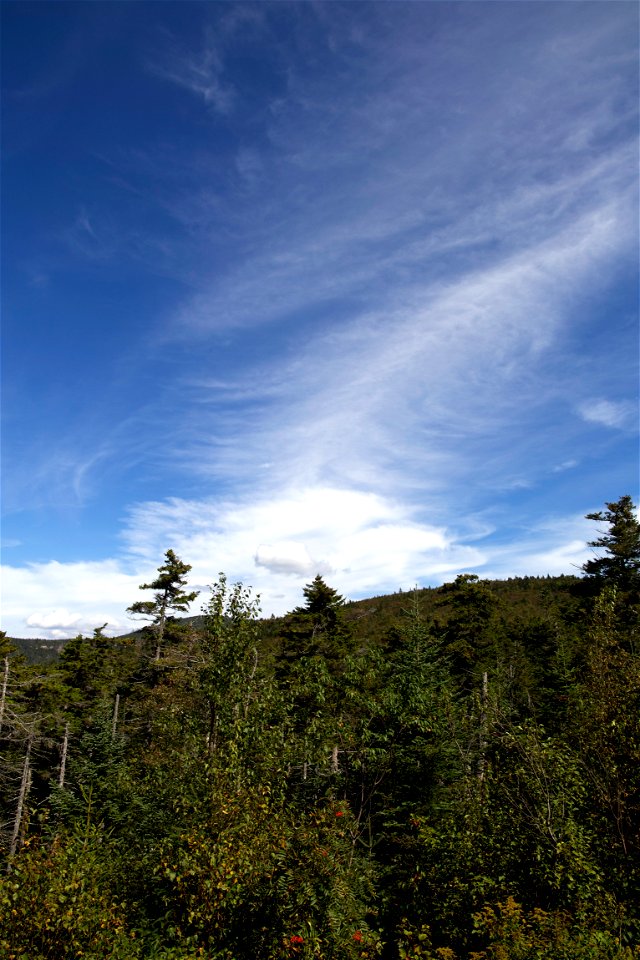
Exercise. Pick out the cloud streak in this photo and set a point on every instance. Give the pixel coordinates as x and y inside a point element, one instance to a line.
<point>372,269</point>
<point>200,73</point>
<point>451,363</point>
<point>609,413</point>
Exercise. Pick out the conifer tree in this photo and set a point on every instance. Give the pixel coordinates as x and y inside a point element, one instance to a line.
<point>473,631</point>
<point>619,566</point>
<point>169,596</point>
<point>318,627</point>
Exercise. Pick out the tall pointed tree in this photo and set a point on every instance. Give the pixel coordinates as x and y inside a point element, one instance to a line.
<point>315,629</point>
<point>473,631</point>
<point>169,597</point>
<point>619,565</point>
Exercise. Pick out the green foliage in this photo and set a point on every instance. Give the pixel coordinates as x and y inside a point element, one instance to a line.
<point>516,934</point>
<point>538,797</point>
<point>451,774</point>
<point>57,901</point>
<point>86,671</point>
<point>169,596</point>
<point>605,728</point>
<point>96,769</point>
<point>227,675</point>
<point>316,629</point>
<point>474,631</point>
<point>509,932</point>
<point>249,878</point>
<point>620,564</point>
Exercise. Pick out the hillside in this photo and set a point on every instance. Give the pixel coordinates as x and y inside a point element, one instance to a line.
<point>372,619</point>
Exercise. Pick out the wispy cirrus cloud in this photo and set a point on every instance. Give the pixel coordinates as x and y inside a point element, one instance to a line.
<point>447,361</point>
<point>199,72</point>
<point>383,237</point>
<point>437,281</point>
<point>610,413</point>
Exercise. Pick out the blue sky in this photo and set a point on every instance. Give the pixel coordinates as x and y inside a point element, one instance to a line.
<point>312,287</point>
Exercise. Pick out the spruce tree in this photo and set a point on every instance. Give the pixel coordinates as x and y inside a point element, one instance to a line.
<point>473,633</point>
<point>315,629</point>
<point>619,566</point>
<point>169,596</point>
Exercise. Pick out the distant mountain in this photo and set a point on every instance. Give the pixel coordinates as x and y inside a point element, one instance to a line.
<point>38,649</point>
<point>373,617</point>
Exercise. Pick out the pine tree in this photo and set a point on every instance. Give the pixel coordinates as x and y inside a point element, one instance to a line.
<point>169,596</point>
<point>620,564</point>
<point>318,627</point>
<point>473,633</point>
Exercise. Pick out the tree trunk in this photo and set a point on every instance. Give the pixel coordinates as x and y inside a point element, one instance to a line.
<point>254,667</point>
<point>63,761</point>
<point>160,632</point>
<point>482,761</point>
<point>5,683</point>
<point>114,725</point>
<point>212,735</point>
<point>22,796</point>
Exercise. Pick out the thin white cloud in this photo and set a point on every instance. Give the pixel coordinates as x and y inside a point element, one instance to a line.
<point>201,73</point>
<point>391,274</point>
<point>389,399</point>
<point>384,247</point>
<point>609,413</point>
<point>565,465</point>
<point>555,546</point>
<point>540,560</point>
<point>361,541</point>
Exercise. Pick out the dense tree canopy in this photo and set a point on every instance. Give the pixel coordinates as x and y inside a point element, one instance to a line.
<point>459,783</point>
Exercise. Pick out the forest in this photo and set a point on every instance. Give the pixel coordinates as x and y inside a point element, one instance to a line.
<point>446,774</point>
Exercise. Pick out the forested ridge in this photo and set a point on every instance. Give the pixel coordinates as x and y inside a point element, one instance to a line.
<point>450,773</point>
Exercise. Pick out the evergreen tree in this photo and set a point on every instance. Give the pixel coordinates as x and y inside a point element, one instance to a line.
<point>169,596</point>
<point>620,564</point>
<point>317,628</point>
<point>468,785</point>
<point>85,668</point>
<point>473,633</point>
